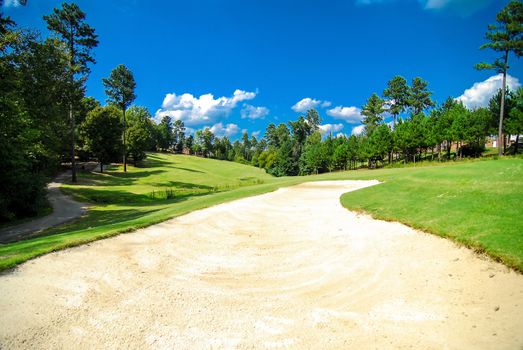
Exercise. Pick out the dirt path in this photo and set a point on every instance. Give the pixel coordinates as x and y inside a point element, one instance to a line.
<point>288,269</point>
<point>64,209</point>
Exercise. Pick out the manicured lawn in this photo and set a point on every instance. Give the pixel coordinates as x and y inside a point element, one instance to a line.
<point>478,203</point>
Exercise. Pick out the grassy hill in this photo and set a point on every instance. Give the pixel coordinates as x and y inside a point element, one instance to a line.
<point>477,203</point>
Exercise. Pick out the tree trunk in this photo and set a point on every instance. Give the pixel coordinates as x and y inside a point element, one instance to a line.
<point>73,128</point>
<point>502,105</point>
<point>516,145</point>
<point>124,146</point>
<point>101,167</point>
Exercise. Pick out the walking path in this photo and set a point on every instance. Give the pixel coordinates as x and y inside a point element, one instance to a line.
<point>64,209</point>
<point>291,269</point>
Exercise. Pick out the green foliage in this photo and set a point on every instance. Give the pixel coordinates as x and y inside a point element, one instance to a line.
<point>101,131</point>
<point>68,23</point>
<point>397,92</point>
<point>505,36</point>
<point>373,112</point>
<point>178,135</point>
<point>419,97</point>
<point>138,140</point>
<point>164,134</point>
<point>314,157</point>
<point>119,87</point>
<point>32,123</point>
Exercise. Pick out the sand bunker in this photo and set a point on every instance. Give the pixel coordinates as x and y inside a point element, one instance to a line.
<point>288,269</point>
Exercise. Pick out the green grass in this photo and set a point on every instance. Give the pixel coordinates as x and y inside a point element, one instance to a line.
<point>479,204</point>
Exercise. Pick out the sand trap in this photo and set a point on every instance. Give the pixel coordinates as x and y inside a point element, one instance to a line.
<point>288,269</point>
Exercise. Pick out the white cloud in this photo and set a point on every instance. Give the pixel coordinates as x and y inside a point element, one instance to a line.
<point>252,112</point>
<point>340,134</point>
<point>199,110</point>
<point>349,114</point>
<point>357,130</point>
<point>256,133</point>
<point>228,130</point>
<point>307,103</point>
<point>330,128</point>
<point>480,93</point>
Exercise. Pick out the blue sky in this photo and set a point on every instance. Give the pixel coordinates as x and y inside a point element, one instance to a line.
<point>241,64</point>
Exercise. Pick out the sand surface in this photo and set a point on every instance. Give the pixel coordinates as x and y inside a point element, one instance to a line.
<point>289,269</point>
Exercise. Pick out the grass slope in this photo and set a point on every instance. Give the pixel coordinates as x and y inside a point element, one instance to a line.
<point>476,203</point>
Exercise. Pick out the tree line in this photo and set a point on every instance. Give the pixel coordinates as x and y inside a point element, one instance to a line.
<point>446,132</point>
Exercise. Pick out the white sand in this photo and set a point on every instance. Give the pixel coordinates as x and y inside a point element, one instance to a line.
<point>288,269</point>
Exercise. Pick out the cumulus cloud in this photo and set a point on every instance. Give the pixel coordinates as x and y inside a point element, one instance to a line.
<point>480,93</point>
<point>357,130</point>
<point>228,130</point>
<point>348,114</point>
<point>252,112</point>
<point>330,128</point>
<point>256,133</point>
<point>199,110</point>
<point>307,103</point>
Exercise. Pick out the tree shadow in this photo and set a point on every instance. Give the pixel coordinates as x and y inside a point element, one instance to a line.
<point>186,185</point>
<point>116,178</point>
<point>187,169</point>
<point>162,192</point>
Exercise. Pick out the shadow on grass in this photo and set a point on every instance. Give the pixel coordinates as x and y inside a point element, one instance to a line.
<point>102,195</point>
<point>187,169</point>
